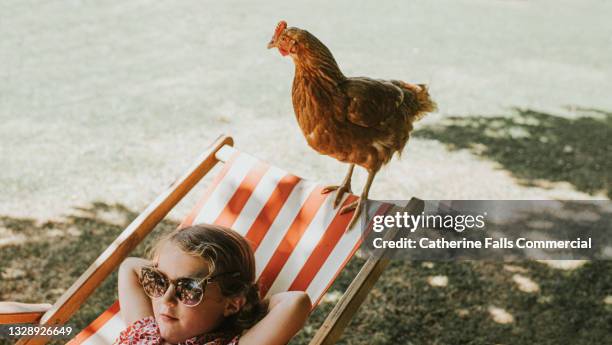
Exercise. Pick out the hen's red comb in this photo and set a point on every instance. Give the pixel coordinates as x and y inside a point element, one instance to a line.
<point>282,25</point>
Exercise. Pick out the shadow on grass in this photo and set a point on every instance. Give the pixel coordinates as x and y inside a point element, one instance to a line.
<point>403,308</point>
<point>537,146</point>
<point>542,304</point>
<point>569,309</point>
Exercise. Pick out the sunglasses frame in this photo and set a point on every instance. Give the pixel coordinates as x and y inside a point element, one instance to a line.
<point>199,284</point>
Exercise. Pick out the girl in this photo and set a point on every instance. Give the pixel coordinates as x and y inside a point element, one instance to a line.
<point>199,288</point>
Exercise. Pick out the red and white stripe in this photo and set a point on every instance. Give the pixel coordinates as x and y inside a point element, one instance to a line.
<point>299,239</point>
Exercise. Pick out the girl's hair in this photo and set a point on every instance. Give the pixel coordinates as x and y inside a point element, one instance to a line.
<point>225,251</point>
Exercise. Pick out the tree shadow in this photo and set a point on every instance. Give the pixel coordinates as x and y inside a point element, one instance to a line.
<point>538,147</point>
<point>567,305</point>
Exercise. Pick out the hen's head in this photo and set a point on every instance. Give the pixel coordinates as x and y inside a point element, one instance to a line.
<point>305,49</point>
<point>289,41</point>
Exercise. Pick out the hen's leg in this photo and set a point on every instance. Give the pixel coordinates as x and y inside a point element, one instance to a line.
<point>357,205</point>
<point>345,187</point>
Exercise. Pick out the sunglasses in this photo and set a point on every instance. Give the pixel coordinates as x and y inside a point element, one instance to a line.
<point>189,291</point>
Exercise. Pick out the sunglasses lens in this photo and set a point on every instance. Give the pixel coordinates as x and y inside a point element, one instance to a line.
<point>153,283</point>
<point>189,292</point>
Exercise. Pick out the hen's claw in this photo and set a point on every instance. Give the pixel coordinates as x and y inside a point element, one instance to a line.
<point>341,190</point>
<point>329,189</point>
<point>345,187</point>
<point>350,207</point>
<point>355,205</point>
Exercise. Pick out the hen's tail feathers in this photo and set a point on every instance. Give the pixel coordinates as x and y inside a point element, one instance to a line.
<point>424,102</point>
<point>420,101</point>
<point>420,104</point>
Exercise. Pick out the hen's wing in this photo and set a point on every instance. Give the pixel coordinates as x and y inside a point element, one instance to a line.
<point>371,101</point>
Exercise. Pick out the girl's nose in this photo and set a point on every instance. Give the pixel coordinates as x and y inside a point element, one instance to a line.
<point>170,296</point>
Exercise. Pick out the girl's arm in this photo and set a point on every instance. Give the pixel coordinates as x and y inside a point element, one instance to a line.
<point>287,313</point>
<point>135,304</point>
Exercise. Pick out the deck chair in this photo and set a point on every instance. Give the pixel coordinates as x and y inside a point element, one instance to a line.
<point>299,240</point>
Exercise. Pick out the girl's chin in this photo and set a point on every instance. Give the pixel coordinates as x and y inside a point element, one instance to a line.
<point>170,336</point>
<point>167,328</point>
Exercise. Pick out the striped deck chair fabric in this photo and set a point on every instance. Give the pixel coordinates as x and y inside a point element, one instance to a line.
<point>299,239</point>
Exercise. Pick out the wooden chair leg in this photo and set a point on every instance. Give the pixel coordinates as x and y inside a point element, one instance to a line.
<point>112,257</point>
<point>360,287</point>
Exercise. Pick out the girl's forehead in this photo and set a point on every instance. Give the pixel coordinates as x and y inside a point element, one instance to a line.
<point>175,263</point>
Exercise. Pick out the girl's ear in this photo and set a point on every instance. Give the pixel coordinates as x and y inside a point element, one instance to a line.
<point>233,305</point>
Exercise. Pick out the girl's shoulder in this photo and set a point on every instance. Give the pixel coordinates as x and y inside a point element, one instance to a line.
<point>144,331</point>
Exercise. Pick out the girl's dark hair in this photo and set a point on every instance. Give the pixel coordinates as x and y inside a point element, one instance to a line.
<point>225,251</point>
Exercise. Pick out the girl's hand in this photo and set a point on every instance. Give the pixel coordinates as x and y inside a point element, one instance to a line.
<point>135,304</point>
<point>287,313</point>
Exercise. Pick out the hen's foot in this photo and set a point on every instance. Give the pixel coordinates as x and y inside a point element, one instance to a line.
<point>355,205</point>
<point>345,188</point>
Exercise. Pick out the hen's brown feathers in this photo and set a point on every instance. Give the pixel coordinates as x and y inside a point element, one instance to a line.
<point>371,102</point>
<point>355,120</point>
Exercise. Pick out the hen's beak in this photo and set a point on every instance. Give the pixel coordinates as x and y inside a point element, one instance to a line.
<point>272,43</point>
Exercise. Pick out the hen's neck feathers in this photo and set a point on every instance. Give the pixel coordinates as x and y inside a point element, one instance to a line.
<point>315,85</point>
<point>317,62</point>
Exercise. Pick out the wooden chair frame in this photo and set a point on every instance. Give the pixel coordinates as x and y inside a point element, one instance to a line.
<point>120,248</point>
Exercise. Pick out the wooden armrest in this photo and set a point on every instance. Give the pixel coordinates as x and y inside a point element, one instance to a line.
<point>16,312</point>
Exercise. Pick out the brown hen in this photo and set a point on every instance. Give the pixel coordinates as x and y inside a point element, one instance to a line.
<point>358,120</point>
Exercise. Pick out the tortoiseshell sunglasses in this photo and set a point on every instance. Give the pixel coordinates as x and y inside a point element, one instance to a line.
<point>188,291</point>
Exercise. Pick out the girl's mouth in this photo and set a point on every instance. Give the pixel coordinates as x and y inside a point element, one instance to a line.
<point>167,318</point>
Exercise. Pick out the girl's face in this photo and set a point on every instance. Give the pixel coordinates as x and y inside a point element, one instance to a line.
<point>178,322</point>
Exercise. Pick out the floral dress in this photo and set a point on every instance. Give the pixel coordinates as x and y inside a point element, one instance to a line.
<point>146,332</point>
